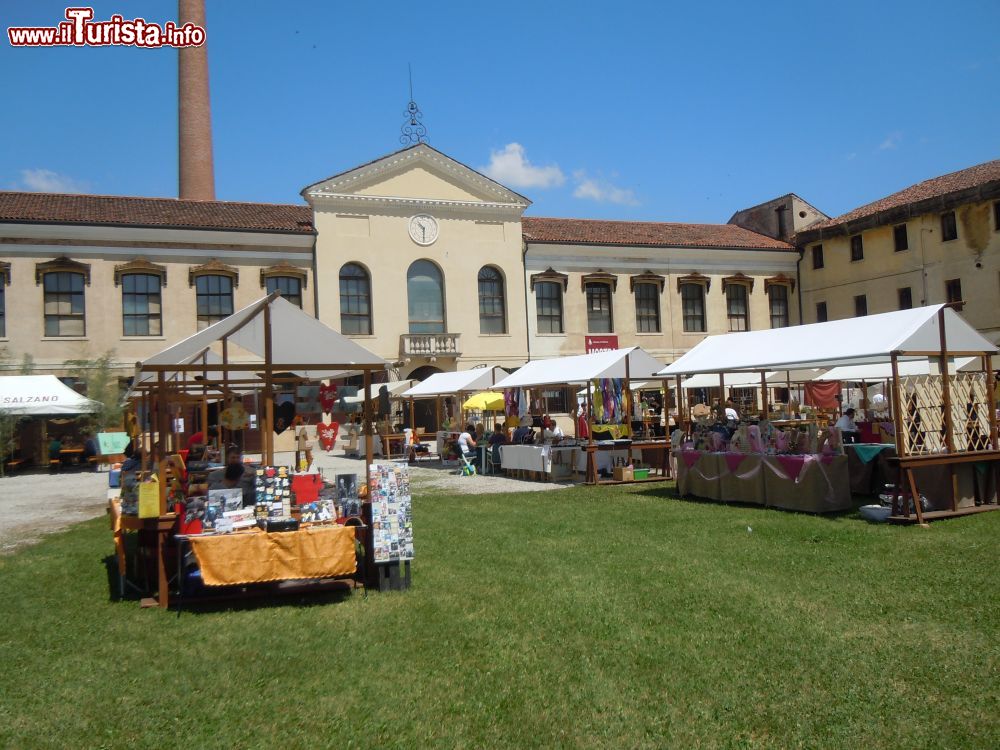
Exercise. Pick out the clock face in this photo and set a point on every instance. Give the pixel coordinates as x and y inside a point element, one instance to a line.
<point>423,229</point>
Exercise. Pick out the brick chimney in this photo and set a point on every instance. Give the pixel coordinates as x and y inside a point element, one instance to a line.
<point>196,171</point>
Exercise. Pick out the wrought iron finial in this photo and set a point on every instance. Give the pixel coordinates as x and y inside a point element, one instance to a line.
<point>413,129</point>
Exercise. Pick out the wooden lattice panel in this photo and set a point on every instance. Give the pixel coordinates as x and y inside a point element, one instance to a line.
<point>970,411</point>
<point>922,401</point>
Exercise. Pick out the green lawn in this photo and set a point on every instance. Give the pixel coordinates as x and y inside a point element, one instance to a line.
<point>590,617</point>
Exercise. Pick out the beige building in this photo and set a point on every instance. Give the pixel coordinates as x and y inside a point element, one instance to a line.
<point>937,241</point>
<point>418,258</point>
<point>661,286</point>
<point>82,276</point>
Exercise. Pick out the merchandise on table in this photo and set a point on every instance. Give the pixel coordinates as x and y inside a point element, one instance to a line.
<point>392,512</point>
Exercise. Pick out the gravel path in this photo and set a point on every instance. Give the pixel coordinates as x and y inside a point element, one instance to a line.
<point>32,505</point>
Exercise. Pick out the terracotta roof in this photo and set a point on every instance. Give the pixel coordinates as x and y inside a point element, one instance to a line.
<point>937,187</point>
<point>58,208</point>
<point>647,233</point>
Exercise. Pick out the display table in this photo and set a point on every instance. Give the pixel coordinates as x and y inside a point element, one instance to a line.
<point>810,483</point>
<point>608,454</point>
<point>866,467</point>
<point>553,461</point>
<point>255,556</point>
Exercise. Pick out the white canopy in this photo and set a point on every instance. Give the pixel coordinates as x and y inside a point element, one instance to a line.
<point>866,340</point>
<point>783,377</point>
<point>41,395</point>
<point>297,338</point>
<point>584,367</point>
<point>736,380</point>
<point>858,373</point>
<point>395,387</point>
<point>450,383</point>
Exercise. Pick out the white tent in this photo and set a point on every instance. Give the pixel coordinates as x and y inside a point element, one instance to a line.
<point>855,341</point>
<point>451,383</point>
<point>297,339</point>
<point>584,367</point>
<point>872,373</point>
<point>41,395</point>
<point>395,388</point>
<point>735,380</point>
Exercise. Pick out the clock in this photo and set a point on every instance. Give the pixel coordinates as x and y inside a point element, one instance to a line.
<point>423,229</point>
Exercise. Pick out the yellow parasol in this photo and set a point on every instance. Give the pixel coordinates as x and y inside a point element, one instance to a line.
<point>485,401</point>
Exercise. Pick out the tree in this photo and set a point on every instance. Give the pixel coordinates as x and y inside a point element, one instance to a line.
<point>102,386</point>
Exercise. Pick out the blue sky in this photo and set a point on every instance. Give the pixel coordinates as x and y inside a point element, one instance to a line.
<point>633,110</point>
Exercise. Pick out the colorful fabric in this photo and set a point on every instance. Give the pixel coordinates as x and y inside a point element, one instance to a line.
<point>258,557</point>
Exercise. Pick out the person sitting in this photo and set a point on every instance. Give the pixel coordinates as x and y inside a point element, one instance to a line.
<point>849,431</point>
<point>552,432</point>
<point>234,455</point>
<point>199,437</point>
<point>55,449</point>
<point>467,444</point>
<point>523,435</point>
<point>499,436</point>
<point>90,448</point>
<point>133,459</point>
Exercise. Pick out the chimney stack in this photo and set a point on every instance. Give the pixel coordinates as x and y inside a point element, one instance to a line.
<point>196,171</point>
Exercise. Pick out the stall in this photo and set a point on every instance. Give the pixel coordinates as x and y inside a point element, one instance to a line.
<point>448,387</point>
<point>943,420</point>
<point>607,451</point>
<point>36,398</point>
<point>258,348</point>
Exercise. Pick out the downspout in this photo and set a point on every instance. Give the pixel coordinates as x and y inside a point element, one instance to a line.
<point>524,281</point>
<point>315,267</point>
<point>798,278</point>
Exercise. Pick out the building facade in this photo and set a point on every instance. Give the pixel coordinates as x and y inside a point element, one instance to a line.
<point>83,277</point>
<point>934,242</point>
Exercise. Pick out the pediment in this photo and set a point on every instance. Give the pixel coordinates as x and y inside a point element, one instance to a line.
<point>418,174</point>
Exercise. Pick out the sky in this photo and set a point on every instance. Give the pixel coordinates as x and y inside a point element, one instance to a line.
<point>662,111</point>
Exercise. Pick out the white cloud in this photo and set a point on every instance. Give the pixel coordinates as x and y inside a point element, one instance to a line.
<point>891,141</point>
<point>602,191</point>
<point>47,181</point>
<point>510,166</point>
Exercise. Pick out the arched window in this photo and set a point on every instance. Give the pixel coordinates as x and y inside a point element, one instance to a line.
<point>693,307</point>
<point>214,296</point>
<point>141,304</point>
<point>425,297</point>
<point>355,301</point>
<point>599,318</point>
<point>492,302</point>
<point>64,304</point>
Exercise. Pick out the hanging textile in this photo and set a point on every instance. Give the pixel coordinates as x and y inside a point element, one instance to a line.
<point>823,394</point>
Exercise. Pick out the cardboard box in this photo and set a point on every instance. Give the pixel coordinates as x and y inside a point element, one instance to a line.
<point>623,474</point>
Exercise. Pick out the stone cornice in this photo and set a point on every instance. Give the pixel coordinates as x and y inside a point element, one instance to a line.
<point>214,268</point>
<point>140,265</point>
<point>354,201</point>
<point>62,264</point>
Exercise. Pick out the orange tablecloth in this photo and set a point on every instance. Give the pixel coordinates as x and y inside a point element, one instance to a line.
<point>257,557</point>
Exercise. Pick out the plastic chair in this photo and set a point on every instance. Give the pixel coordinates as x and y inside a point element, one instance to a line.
<point>467,468</point>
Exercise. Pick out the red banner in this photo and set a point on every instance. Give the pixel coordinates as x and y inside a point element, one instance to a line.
<point>601,343</point>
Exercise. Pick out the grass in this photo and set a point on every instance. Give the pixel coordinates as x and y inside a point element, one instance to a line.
<point>590,617</point>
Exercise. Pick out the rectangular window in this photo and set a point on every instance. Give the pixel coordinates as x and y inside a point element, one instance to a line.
<point>599,308</point>
<point>778,295</point>
<point>64,304</point>
<point>737,307</point>
<point>141,305</point>
<point>548,306</point>
<point>899,238</point>
<point>953,291</point>
<point>289,286</point>
<point>492,317</point>
<point>693,307</point>
<point>949,229</point>
<point>821,316</point>
<point>215,299</point>
<point>817,251</point>
<point>647,308</point>
<point>905,296</point>
<point>857,248</point>
<point>557,400</point>
<point>860,306</point>
<point>996,216</point>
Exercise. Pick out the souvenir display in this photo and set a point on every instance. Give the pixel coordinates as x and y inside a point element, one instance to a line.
<point>321,509</point>
<point>273,494</point>
<point>234,416</point>
<point>231,499</point>
<point>327,434</point>
<point>307,403</point>
<point>328,397</point>
<point>347,494</point>
<point>392,512</point>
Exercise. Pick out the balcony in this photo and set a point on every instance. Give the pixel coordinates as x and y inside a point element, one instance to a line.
<point>429,345</point>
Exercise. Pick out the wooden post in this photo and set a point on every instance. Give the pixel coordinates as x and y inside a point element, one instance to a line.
<point>268,385</point>
<point>722,393</point>
<point>627,404</point>
<point>864,398</point>
<point>764,405</point>
<point>413,423</point>
<point>681,402</point>
<point>369,447</point>
<point>949,427</point>
<point>591,475</point>
<point>437,413</point>
<point>991,404</point>
<point>897,407</point>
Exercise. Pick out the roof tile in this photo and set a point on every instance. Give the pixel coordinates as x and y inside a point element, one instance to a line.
<point>57,208</point>
<point>645,233</point>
